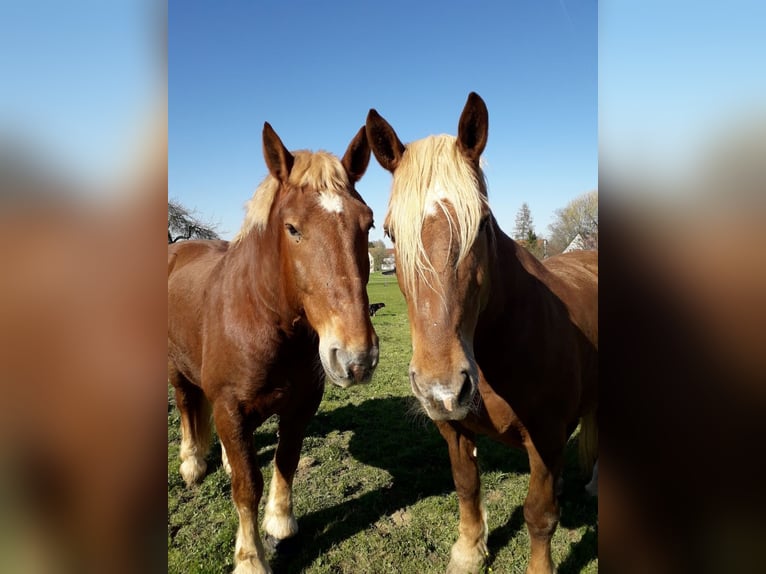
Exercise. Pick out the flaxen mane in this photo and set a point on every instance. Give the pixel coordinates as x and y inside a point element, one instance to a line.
<point>433,172</point>
<point>321,171</point>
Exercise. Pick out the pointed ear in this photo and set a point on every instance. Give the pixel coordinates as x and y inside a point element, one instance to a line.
<point>357,156</point>
<point>473,127</point>
<point>278,159</point>
<point>384,142</point>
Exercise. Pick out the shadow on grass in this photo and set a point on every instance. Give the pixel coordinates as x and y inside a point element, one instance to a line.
<point>580,553</point>
<point>386,435</point>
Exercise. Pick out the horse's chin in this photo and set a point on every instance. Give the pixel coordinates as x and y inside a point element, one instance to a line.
<point>338,381</point>
<point>342,383</point>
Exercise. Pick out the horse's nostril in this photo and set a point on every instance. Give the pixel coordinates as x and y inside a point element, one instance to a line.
<point>412,379</point>
<point>465,389</point>
<point>335,362</point>
<point>358,371</point>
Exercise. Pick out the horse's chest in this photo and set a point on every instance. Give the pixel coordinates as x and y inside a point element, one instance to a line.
<point>292,374</point>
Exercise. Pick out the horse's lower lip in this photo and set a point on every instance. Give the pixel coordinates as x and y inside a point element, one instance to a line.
<point>438,413</point>
<point>342,382</point>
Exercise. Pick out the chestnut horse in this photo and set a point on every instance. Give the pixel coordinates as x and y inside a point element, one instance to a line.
<point>255,324</point>
<point>503,344</point>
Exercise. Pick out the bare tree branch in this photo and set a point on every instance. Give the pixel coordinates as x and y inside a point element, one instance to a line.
<point>580,216</point>
<point>182,224</point>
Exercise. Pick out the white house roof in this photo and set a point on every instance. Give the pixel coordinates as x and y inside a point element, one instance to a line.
<point>577,244</point>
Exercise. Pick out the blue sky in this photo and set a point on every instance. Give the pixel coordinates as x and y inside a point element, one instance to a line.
<point>314,69</point>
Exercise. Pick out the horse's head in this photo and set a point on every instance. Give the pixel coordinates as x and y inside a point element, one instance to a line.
<point>319,225</point>
<point>437,219</point>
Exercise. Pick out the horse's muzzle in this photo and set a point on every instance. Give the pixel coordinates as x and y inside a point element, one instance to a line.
<point>444,400</point>
<point>347,367</point>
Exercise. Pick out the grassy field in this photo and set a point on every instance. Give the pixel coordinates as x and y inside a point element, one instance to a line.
<point>373,492</point>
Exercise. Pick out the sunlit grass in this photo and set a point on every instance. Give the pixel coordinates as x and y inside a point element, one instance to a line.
<point>373,492</point>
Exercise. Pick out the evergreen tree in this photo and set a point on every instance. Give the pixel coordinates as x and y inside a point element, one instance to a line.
<point>524,225</point>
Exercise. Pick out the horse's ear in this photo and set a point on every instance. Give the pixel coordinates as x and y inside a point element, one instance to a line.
<point>278,159</point>
<point>384,142</point>
<point>473,127</point>
<point>357,156</point>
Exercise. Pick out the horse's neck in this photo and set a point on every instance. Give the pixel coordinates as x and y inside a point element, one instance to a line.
<point>515,280</point>
<point>255,275</point>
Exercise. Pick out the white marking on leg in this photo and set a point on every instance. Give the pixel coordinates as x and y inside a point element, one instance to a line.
<point>278,518</point>
<point>225,460</point>
<point>249,556</point>
<point>193,465</point>
<point>592,487</point>
<point>469,553</point>
<point>331,202</point>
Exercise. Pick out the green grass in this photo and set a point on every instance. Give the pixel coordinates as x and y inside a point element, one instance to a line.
<point>373,492</point>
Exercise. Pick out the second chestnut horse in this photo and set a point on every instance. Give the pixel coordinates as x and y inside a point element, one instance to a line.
<point>503,344</point>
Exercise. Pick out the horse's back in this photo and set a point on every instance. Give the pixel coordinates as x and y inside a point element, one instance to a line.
<point>190,267</point>
<point>577,274</point>
<point>199,253</point>
<point>190,264</point>
<point>578,267</point>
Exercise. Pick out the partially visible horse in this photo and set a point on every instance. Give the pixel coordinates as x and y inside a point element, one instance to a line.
<point>255,324</point>
<point>503,344</point>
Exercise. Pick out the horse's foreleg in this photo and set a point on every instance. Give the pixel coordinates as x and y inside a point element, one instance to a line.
<point>196,432</point>
<point>278,519</point>
<point>246,488</point>
<point>470,551</point>
<point>541,509</point>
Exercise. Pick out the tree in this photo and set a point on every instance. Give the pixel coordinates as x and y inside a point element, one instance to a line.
<point>378,251</point>
<point>579,216</point>
<point>533,244</point>
<point>183,225</point>
<point>524,232</point>
<point>524,225</point>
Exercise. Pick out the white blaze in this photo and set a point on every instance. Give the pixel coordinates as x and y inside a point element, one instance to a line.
<point>332,202</point>
<point>434,197</point>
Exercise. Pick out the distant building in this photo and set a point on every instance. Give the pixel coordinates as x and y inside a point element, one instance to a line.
<point>388,264</point>
<point>577,244</point>
<point>580,243</point>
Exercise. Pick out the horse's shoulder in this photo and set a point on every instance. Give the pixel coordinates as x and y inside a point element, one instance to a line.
<point>195,252</point>
<point>575,266</point>
<point>193,247</point>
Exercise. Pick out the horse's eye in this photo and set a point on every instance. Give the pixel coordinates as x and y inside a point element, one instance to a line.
<point>294,233</point>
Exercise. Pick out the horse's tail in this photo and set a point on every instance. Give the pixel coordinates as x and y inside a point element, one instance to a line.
<point>588,441</point>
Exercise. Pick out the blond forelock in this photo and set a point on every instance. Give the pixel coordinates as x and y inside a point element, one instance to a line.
<point>321,171</point>
<point>431,174</point>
